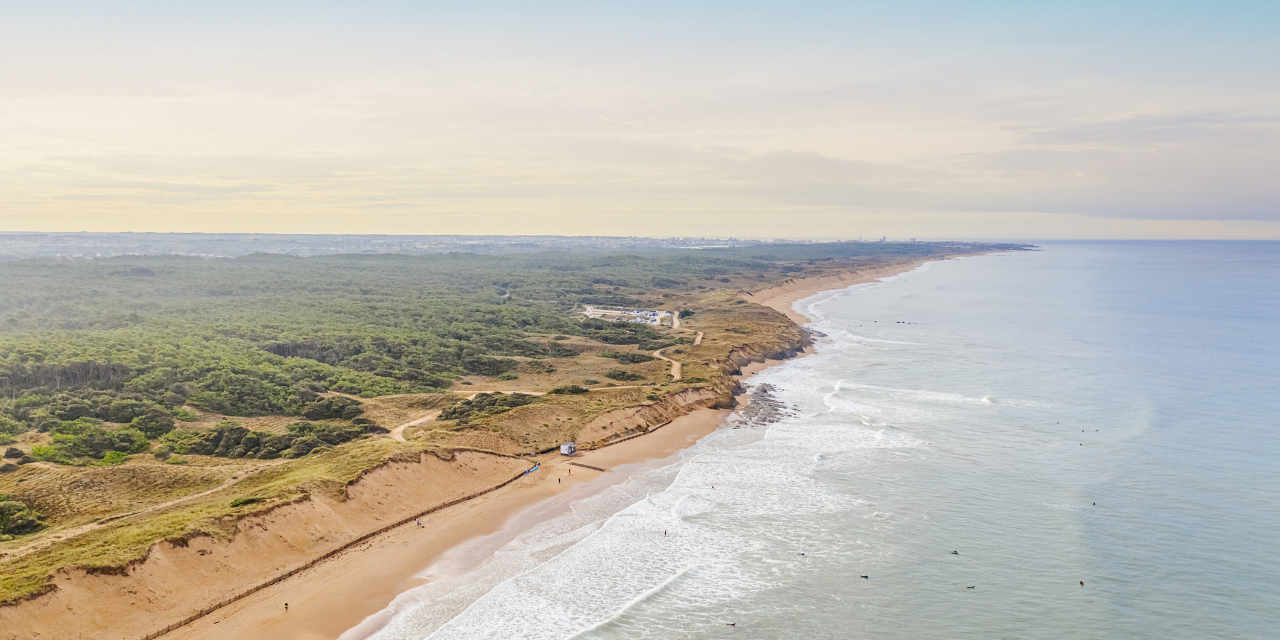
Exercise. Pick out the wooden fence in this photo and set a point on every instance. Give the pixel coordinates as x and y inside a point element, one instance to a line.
<point>315,561</point>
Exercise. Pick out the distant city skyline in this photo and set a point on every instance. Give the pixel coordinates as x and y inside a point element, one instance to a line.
<point>88,245</point>
<point>659,119</point>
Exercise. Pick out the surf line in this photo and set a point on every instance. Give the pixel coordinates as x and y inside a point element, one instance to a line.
<point>635,601</point>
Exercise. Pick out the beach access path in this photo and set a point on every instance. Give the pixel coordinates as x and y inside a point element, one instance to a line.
<point>398,432</point>
<point>675,366</point>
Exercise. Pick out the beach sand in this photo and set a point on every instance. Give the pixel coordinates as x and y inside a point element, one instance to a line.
<point>780,298</point>
<point>336,596</point>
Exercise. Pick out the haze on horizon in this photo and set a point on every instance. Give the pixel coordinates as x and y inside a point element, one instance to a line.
<point>760,119</point>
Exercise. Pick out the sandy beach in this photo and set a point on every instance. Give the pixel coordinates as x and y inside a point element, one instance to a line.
<point>781,297</point>
<point>344,596</point>
<point>335,596</point>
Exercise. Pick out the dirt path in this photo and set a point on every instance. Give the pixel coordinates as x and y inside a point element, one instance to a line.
<point>398,432</point>
<point>697,340</point>
<point>675,366</point>
<point>66,534</point>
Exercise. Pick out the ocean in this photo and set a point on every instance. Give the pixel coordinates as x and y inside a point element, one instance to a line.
<point>972,441</point>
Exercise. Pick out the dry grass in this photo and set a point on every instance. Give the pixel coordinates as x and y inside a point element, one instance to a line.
<point>117,543</point>
<point>67,496</point>
<point>392,411</point>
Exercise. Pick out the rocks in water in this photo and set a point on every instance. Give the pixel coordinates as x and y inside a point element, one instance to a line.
<point>763,408</point>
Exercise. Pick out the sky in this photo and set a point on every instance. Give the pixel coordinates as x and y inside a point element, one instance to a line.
<point>997,120</point>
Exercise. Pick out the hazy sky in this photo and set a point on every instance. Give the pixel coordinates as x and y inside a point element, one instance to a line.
<point>830,119</point>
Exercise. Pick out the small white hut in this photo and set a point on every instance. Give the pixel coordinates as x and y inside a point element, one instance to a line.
<point>569,449</point>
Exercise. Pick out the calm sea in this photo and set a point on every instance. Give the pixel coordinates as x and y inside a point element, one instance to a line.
<point>973,440</point>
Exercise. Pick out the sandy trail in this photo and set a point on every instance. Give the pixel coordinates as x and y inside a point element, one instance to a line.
<point>698,339</point>
<point>675,366</point>
<point>398,432</point>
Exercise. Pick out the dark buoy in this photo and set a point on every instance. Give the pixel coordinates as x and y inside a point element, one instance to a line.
<point>730,624</point>
<point>973,587</point>
<point>1082,583</point>
<point>955,553</point>
<point>867,577</point>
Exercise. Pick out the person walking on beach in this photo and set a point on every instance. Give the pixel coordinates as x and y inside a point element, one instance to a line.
<point>286,606</point>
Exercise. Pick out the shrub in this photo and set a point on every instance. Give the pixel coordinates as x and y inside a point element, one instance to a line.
<point>163,452</point>
<point>333,407</point>
<point>589,381</point>
<point>485,404</point>
<point>8,467</point>
<point>487,366</point>
<point>230,440</point>
<point>240,502</point>
<point>10,427</point>
<point>332,434</point>
<point>507,375</point>
<point>113,458</point>
<point>685,313</point>
<point>619,374</point>
<point>570,389</point>
<point>186,415</point>
<point>13,452</point>
<point>154,423</point>
<point>628,358</point>
<point>16,518</point>
<point>183,441</point>
<point>87,438</point>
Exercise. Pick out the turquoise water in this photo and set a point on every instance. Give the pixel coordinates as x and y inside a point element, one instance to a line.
<point>1096,412</point>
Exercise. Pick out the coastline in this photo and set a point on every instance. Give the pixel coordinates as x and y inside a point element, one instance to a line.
<point>338,595</point>
<point>347,597</point>
<point>781,297</point>
<point>334,597</point>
